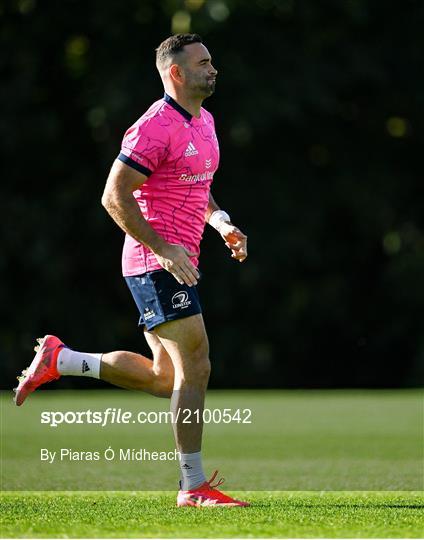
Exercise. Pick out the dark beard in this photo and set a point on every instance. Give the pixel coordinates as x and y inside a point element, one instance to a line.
<point>212,87</point>
<point>204,89</point>
<point>207,89</point>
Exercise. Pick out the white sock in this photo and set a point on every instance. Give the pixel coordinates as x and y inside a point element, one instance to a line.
<point>71,362</point>
<point>192,474</point>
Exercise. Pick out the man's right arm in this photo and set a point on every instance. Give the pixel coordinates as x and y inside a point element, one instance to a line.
<point>119,201</point>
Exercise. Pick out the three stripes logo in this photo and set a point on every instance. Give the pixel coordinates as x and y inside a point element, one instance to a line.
<point>190,150</point>
<point>85,366</point>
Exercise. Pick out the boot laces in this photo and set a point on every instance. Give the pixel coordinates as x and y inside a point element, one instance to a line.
<point>219,483</point>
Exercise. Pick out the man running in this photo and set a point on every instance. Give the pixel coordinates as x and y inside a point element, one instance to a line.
<point>158,192</point>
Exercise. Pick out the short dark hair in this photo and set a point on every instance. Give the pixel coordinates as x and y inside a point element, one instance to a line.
<point>173,45</point>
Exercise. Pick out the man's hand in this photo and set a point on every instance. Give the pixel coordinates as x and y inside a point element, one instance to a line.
<point>234,240</point>
<point>175,259</point>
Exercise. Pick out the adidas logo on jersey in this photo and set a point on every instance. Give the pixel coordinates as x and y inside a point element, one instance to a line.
<point>190,150</point>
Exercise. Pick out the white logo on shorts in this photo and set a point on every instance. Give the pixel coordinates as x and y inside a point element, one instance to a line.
<point>180,300</point>
<point>148,314</point>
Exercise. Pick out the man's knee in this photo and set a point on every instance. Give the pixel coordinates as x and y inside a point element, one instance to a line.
<point>187,344</point>
<point>197,366</point>
<point>203,368</point>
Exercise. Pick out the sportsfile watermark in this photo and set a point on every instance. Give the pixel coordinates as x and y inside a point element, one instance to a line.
<point>114,416</point>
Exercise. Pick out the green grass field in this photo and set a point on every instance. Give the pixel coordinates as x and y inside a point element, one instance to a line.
<point>273,514</point>
<point>313,464</point>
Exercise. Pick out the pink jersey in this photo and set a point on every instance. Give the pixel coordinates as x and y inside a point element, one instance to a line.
<point>179,153</point>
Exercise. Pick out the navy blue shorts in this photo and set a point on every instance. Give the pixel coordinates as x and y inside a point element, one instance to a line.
<point>160,298</point>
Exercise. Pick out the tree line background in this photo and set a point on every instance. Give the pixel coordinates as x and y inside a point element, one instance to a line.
<point>318,108</point>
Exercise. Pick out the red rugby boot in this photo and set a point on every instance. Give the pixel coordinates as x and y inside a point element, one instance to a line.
<point>207,495</point>
<point>43,368</point>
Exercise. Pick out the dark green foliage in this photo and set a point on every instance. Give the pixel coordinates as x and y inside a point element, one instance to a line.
<point>319,112</point>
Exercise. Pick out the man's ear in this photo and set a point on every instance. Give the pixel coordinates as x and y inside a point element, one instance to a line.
<point>176,73</point>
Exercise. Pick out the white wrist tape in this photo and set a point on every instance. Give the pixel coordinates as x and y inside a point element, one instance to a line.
<point>217,218</point>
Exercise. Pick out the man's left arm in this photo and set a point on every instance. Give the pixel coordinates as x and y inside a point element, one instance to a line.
<point>234,239</point>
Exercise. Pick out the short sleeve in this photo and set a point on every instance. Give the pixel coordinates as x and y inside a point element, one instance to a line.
<point>144,146</point>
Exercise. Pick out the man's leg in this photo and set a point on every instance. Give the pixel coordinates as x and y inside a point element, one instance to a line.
<point>136,372</point>
<point>121,368</point>
<point>186,342</point>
